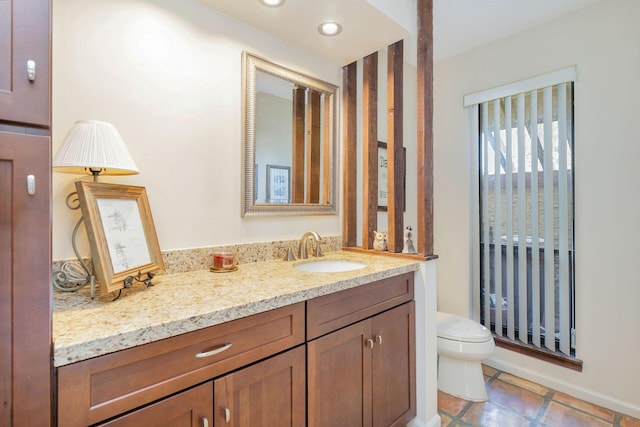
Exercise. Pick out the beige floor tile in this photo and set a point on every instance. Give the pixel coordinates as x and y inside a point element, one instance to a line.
<point>590,408</point>
<point>489,371</point>
<point>489,415</point>
<point>450,404</point>
<point>525,384</point>
<point>521,401</point>
<point>627,421</point>
<point>558,415</point>
<point>445,420</point>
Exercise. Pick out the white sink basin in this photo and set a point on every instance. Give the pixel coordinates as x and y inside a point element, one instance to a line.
<point>329,266</point>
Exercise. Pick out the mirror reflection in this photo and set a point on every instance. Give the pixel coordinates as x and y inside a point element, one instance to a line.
<point>289,141</point>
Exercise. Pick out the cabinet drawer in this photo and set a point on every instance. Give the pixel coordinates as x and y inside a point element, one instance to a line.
<point>331,312</point>
<point>96,389</point>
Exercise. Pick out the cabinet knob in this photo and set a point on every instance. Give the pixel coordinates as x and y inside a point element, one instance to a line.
<point>369,343</point>
<point>31,70</point>
<point>205,422</point>
<point>379,339</point>
<point>227,415</point>
<point>31,185</point>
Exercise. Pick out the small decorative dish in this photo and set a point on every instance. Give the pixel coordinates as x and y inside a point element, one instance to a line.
<point>223,270</point>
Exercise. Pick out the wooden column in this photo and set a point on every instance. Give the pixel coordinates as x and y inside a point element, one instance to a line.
<point>297,170</point>
<point>425,127</point>
<point>349,155</point>
<point>313,148</point>
<point>327,167</point>
<point>369,148</point>
<point>395,154</point>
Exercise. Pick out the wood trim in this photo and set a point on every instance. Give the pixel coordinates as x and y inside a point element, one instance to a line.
<point>395,154</point>
<point>425,127</point>
<point>539,353</point>
<point>349,140</point>
<point>391,254</point>
<point>297,173</point>
<point>369,148</point>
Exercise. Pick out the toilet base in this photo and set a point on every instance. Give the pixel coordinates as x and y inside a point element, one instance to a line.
<point>461,378</point>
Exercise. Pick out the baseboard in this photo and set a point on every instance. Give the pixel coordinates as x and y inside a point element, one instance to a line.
<point>594,397</point>
<point>433,422</point>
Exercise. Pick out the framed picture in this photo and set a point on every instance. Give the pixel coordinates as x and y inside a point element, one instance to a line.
<point>383,177</point>
<point>278,184</point>
<point>121,233</point>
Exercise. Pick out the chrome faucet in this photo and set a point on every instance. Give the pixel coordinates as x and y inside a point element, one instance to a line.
<point>303,244</point>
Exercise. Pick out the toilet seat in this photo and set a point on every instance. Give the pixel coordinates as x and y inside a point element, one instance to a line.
<point>457,328</point>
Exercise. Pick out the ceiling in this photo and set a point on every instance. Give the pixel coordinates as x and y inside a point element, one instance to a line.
<point>459,25</point>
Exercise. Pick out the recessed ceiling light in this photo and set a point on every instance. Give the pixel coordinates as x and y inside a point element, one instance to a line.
<point>329,28</point>
<point>272,3</point>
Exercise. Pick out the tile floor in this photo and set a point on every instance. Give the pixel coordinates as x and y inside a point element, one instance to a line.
<point>515,402</point>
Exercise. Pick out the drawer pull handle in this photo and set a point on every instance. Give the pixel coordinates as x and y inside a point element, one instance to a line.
<point>379,339</point>
<point>227,415</point>
<point>214,351</point>
<point>369,343</point>
<point>205,422</point>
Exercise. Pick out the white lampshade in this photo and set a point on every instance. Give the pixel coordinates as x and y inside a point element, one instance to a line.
<point>92,145</point>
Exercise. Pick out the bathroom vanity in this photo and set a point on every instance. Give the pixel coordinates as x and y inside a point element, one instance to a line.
<point>265,345</point>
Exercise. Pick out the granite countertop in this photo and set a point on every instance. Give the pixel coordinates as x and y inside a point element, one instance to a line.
<point>183,302</point>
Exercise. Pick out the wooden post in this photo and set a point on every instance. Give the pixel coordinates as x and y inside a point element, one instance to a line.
<point>369,148</point>
<point>349,184</point>
<point>425,127</point>
<point>395,154</point>
<point>297,173</point>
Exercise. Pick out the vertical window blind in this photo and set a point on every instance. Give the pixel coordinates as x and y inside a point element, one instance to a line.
<point>524,246</point>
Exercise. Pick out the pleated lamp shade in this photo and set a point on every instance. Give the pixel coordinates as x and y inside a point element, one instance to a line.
<point>92,146</point>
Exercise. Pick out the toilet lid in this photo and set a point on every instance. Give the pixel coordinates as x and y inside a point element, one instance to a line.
<point>453,327</point>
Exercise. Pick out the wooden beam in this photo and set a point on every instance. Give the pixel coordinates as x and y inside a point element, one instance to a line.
<point>297,173</point>
<point>313,148</point>
<point>327,166</point>
<point>369,148</point>
<point>349,141</point>
<point>395,154</point>
<point>425,127</point>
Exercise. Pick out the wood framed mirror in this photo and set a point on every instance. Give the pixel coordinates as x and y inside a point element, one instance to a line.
<point>289,120</point>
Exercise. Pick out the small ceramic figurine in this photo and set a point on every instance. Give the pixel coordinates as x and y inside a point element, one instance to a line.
<point>380,240</point>
<point>408,243</point>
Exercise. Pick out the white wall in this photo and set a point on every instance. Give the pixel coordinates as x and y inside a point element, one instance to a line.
<point>603,42</point>
<point>167,74</point>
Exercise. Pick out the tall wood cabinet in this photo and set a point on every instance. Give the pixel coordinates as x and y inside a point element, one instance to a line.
<point>25,72</point>
<point>25,213</point>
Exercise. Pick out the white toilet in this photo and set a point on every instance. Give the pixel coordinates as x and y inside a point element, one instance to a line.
<point>462,345</point>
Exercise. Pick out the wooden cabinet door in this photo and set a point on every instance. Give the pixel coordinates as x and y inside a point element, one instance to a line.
<point>393,366</point>
<point>191,408</point>
<point>24,37</point>
<point>339,377</point>
<point>267,394</point>
<point>25,288</point>
<point>364,374</point>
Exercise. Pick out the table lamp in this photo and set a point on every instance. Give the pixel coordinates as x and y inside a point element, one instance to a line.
<point>96,148</point>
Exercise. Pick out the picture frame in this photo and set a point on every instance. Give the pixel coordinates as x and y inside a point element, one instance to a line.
<point>121,233</point>
<point>278,184</point>
<point>383,179</point>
